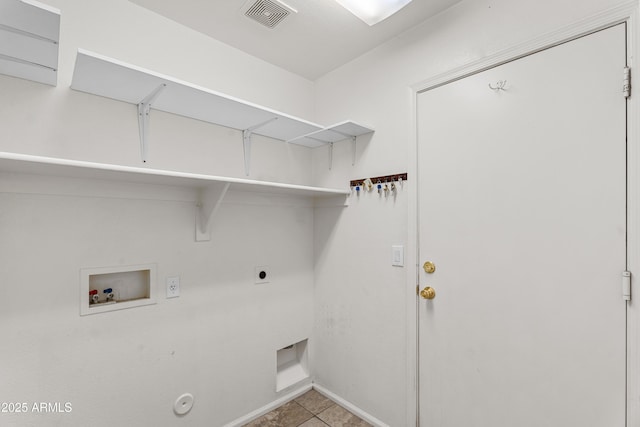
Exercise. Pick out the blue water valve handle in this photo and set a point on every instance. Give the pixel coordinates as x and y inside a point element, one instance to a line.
<point>107,291</point>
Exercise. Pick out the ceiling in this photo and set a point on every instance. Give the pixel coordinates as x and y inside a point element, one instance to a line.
<point>320,37</point>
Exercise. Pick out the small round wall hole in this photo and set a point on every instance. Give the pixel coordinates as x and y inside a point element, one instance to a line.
<point>262,275</point>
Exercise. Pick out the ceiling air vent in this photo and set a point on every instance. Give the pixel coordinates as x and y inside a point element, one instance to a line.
<point>267,12</point>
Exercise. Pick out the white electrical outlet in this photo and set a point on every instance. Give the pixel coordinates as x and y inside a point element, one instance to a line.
<point>263,274</point>
<point>173,286</point>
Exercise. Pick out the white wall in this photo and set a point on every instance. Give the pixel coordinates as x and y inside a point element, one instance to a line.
<point>60,122</point>
<point>219,339</point>
<point>364,335</point>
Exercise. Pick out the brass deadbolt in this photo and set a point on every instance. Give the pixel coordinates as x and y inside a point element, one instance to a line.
<point>429,267</point>
<point>428,293</point>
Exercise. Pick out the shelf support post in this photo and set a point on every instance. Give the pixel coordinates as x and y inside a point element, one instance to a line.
<point>246,143</point>
<point>353,146</point>
<point>330,155</point>
<point>144,107</point>
<point>209,202</point>
<point>353,150</point>
<point>246,146</point>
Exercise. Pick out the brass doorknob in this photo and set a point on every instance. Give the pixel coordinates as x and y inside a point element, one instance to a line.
<point>428,293</point>
<point>429,267</point>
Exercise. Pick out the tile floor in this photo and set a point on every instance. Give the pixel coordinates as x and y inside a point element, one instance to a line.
<point>312,409</point>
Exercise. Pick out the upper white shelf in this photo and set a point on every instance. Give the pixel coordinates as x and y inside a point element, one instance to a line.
<point>100,75</point>
<point>50,166</point>
<point>330,134</point>
<point>29,35</point>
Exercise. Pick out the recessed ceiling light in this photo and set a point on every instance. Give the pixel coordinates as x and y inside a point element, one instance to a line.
<point>373,11</point>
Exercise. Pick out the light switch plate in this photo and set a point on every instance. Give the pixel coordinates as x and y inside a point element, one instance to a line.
<point>397,256</point>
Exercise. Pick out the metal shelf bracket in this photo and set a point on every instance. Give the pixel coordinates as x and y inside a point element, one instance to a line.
<point>353,150</point>
<point>246,143</point>
<point>330,155</point>
<point>144,108</point>
<point>209,201</point>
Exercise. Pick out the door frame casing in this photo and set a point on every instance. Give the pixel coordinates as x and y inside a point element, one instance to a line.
<point>629,13</point>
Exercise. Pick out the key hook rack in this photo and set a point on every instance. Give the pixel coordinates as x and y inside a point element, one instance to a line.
<point>385,184</point>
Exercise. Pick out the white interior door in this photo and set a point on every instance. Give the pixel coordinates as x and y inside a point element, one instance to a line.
<point>522,209</point>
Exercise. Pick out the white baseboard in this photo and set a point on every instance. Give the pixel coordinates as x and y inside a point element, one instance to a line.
<point>269,407</point>
<point>351,407</point>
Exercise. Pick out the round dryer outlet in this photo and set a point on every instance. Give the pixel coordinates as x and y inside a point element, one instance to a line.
<point>183,404</point>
